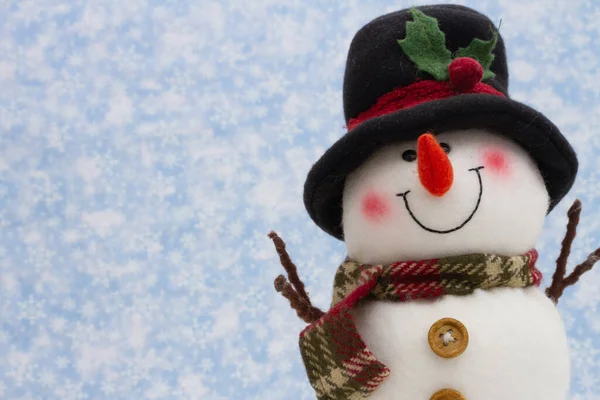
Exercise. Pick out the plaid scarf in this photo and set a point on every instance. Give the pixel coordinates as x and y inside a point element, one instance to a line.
<point>338,363</point>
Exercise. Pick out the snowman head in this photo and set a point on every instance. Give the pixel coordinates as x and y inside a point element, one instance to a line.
<point>454,193</point>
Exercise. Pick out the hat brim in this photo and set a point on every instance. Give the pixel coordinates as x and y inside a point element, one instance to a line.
<point>550,150</point>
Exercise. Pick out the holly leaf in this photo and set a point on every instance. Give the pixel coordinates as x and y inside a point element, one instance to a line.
<point>482,51</point>
<point>425,45</point>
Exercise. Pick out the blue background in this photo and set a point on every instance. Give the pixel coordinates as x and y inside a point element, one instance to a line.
<point>146,149</point>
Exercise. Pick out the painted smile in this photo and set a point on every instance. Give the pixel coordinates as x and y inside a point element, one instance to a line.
<point>466,221</point>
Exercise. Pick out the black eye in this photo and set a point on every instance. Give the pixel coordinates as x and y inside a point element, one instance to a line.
<point>409,155</point>
<point>446,147</point>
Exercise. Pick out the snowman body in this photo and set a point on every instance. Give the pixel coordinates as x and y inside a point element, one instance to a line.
<point>517,347</point>
<point>462,192</point>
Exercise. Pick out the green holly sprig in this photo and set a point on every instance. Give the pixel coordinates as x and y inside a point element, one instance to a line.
<point>425,45</point>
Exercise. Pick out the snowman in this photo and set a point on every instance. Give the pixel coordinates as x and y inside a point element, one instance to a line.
<point>439,190</point>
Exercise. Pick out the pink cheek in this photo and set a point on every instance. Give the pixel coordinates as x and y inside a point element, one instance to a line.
<point>496,161</point>
<point>375,207</point>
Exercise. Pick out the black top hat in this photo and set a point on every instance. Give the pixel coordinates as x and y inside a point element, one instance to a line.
<point>429,69</point>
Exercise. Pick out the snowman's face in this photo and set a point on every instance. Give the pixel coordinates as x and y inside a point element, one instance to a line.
<point>456,193</point>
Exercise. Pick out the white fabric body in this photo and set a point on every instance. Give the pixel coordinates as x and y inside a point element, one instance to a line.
<point>518,348</point>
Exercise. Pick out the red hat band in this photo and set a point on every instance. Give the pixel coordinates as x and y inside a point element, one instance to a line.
<point>417,93</point>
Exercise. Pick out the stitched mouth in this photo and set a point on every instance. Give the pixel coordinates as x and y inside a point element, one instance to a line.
<point>466,221</point>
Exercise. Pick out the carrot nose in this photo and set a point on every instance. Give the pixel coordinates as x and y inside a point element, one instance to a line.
<point>435,169</point>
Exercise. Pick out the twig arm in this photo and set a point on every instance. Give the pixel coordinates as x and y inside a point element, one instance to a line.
<point>559,281</point>
<point>293,290</point>
<point>556,288</point>
<point>289,266</point>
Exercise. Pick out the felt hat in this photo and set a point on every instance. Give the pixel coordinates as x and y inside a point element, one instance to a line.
<point>429,69</point>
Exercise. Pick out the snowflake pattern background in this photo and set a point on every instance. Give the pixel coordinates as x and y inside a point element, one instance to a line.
<point>146,149</point>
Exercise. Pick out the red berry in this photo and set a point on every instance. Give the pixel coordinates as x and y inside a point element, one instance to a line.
<point>465,73</point>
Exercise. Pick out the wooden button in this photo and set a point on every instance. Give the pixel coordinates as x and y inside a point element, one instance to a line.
<point>448,394</point>
<point>448,338</point>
